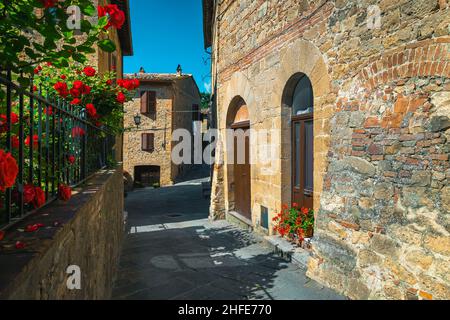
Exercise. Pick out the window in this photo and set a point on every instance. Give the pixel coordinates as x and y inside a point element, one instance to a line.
<point>148,142</point>
<point>303,102</point>
<point>148,103</point>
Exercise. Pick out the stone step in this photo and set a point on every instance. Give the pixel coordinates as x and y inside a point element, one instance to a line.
<point>288,251</point>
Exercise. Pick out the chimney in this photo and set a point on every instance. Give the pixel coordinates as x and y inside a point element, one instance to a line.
<point>179,71</point>
<point>141,71</point>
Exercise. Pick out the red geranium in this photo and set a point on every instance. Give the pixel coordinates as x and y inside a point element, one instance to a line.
<point>8,170</point>
<point>121,98</point>
<point>115,15</point>
<point>89,71</point>
<point>64,192</point>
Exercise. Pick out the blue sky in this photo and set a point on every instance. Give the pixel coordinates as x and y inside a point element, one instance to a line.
<point>167,33</point>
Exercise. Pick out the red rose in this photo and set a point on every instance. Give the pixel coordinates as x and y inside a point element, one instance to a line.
<point>15,143</point>
<point>115,15</point>
<point>20,245</point>
<point>71,159</point>
<point>86,89</point>
<point>63,77</point>
<point>77,84</point>
<point>109,82</point>
<point>35,88</point>
<point>32,228</point>
<point>89,71</point>
<point>92,112</point>
<point>75,93</point>
<point>78,132</point>
<point>48,111</point>
<point>48,3</point>
<point>2,235</point>
<point>3,121</point>
<point>35,141</point>
<point>121,98</point>
<point>49,64</point>
<point>75,102</point>
<point>64,192</point>
<point>8,170</point>
<point>62,89</point>
<point>39,199</point>
<point>29,193</point>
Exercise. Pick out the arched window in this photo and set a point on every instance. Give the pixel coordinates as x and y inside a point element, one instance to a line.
<point>303,98</point>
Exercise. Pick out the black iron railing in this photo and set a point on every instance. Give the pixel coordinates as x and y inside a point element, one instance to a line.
<point>52,142</point>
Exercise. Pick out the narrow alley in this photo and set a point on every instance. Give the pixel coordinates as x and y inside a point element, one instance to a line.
<point>173,252</point>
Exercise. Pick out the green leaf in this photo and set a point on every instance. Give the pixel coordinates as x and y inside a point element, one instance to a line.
<point>89,10</point>
<point>102,22</point>
<point>107,45</point>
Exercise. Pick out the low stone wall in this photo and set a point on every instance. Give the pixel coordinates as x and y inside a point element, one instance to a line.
<point>86,232</point>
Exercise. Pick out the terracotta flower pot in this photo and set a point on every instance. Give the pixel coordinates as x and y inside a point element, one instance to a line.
<point>309,233</point>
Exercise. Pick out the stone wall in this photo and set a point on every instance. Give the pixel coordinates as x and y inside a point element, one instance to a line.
<point>88,234</point>
<point>161,126</point>
<point>381,107</point>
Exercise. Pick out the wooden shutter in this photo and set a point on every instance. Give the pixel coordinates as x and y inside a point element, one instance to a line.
<point>144,102</point>
<point>151,141</point>
<point>151,102</point>
<point>148,141</point>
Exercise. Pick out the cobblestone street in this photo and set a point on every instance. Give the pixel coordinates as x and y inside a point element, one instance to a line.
<point>172,251</point>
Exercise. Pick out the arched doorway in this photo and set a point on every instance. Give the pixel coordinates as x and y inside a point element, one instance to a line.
<point>239,175</point>
<point>298,95</point>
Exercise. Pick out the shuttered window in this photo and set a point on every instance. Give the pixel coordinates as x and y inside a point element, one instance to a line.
<point>148,102</point>
<point>148,142</point>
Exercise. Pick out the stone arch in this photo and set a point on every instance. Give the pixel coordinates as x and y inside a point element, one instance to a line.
<point>303,58</point>
<point>238,86</point>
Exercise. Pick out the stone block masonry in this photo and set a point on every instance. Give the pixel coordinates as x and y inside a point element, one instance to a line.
<point>381,133</point>
<point>89,236</point>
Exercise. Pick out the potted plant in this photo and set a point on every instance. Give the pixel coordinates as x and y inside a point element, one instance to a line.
<point>295,223</point>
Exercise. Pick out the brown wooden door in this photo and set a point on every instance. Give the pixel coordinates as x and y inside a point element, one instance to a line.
<point>242,191</point>
<point>303,160</point>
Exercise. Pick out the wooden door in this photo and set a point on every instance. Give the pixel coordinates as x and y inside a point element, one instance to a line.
<point>242,184</point>
<point>303,160</point>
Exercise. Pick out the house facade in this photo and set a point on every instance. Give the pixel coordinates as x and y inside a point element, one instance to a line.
<point>165,102</point>
<point>356,95</point>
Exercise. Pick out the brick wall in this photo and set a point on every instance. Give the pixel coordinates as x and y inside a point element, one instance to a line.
<point>381,107</point>
<point>89,234</point>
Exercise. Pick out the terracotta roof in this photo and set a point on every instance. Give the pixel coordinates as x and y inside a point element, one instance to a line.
<point>156,76</point>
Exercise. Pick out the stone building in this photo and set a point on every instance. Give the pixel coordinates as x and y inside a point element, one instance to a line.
<point>166,102</point>
<point>359,93</point>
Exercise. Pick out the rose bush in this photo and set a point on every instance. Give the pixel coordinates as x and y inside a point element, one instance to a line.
<point>100,97</point>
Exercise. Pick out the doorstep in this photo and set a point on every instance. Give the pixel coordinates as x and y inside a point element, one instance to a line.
<point>290,252</point>
<point>239,220</point>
